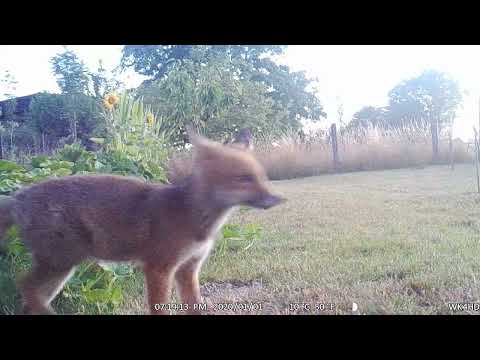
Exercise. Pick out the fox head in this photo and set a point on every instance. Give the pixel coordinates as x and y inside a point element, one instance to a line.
<point>229,175</point>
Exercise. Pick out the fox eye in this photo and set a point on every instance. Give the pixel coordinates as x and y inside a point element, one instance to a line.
<point>245,178</point>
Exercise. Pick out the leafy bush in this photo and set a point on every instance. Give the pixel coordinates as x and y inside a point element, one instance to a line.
<point>116,162</point>
<point>96,288</point>
<point>109,161</point>
<point>237,238</point>
<point>55,116</point>
<point>12,176</point>
<point>135,140</point>
<point>83,160</point>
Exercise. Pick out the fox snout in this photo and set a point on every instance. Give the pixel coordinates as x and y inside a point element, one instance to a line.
<point>266,202</point>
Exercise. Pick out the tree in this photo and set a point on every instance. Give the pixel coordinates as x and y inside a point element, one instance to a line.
<point>49,118</point>
<point>291,92</point>
<point>81,90</point>
<point>155,61</point>
<point>426,102</point>
<point>103,82</point>
<point>367,118</point>
<point>83,114</point>
<point>418,106</point>
<point>71,73</point>
<point>212,98</point>
<point>8,85</point>
<point>73,80</point>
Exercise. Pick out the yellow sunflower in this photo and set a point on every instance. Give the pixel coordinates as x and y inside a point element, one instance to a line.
<point>110,100</point>
<point>150,119</point>
<point>107,104</point>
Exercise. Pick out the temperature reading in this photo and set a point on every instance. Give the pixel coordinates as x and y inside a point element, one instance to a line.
<point>325,307</point>
<point>299,307</point>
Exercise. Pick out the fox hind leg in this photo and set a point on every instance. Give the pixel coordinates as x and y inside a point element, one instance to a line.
<point>55,253</point>
<point>41,285</point>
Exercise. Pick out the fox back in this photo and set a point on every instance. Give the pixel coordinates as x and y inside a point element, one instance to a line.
<point>167,229</point>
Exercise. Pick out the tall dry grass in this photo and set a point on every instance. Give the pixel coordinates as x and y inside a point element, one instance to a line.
<point>291,156</point>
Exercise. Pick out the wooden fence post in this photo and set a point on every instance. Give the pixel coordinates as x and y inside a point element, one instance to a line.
<point>476,158</point>
<point>450,149</point>
<point>333,137</point>
<point>434,129</point>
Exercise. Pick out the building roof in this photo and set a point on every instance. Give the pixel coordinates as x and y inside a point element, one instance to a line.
<point>22,103</point>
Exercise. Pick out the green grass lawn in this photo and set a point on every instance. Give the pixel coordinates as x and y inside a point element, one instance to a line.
<point>394,242</point>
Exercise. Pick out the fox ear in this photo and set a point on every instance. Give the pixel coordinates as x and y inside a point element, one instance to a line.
<point>243,140</point>
<point>196,139</point>
<point>204,148</point>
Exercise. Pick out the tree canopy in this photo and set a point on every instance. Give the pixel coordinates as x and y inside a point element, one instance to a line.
<point>290,93</point>
<point>8,84</point>
<point>415,105</point>
<point>71,73</point>
<point>419,101</point>
<point>212,98</point>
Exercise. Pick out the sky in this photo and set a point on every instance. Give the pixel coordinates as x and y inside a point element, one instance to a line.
<point>351,75</point>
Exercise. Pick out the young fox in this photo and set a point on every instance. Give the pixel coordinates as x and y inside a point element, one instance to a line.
<point>167,229</point>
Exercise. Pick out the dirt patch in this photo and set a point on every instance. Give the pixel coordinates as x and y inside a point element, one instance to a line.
<point>220,298</point>
<point>252,298</point>
<point>234,297</point>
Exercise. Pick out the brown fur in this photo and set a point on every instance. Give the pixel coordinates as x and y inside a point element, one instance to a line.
<point>169,230</point>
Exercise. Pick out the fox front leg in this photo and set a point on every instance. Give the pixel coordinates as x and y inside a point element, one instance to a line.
<point>158,280</point>
<point>188,286</point>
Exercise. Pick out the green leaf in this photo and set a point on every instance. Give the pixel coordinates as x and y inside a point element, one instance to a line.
<point>63,172</point>
<point>36,161</point>
<point>8,166</point>
<point>116,296</point>
<point>97,140</point>
<point>57,165</point>
<point>231,231</point>
<point>96,295</point>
